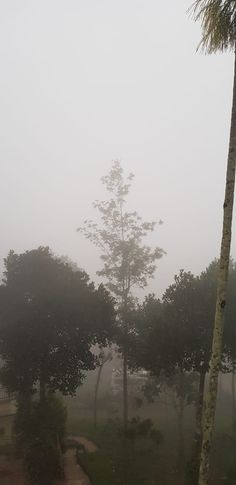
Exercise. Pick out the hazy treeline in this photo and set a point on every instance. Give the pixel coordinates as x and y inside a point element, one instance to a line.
<point>55,325</point>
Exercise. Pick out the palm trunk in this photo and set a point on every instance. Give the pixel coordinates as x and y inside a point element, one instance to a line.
<point>211,395</point>
<point>96,394</point>
<point>199,408</point>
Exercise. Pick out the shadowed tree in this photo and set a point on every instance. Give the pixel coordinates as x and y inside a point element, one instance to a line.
<point>230,338</point>
<point>218,20</point>
<point>50,316</point>
<point>127,262</point>
<point>173,336</point>
<point>179,389</point>
<point>176,333</point>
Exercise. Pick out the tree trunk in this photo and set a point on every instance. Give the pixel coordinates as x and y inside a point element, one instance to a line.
<point>211,395</point>
<point>193,465</point>
<point>22,418</point>
<point>181,448</point>
<point>125,364</point>
<point>233,400</point>
<point>96,394</point>
<point>42,390</point>
<point>125,408</point>
<point>125,390</point>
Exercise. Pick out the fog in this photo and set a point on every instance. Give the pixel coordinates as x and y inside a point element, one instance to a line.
<point>87,82</point>
<point>95,385</point>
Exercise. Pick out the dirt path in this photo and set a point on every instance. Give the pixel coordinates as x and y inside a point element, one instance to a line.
<point>88,445</point>
<point>73,472</point>
<point>11,471</point>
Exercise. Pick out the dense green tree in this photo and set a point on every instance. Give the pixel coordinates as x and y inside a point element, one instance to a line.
<point>177,330</point>
<point>41,438</point>
<point>177,390</point>
<point>174,335</point>
<point>50,316</point>
<point>229,348</point>
<point>127,262</point>
<point>218,19</point>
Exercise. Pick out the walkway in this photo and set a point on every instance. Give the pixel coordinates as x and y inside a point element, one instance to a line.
<point>88,445</point>
<point>73,472</point>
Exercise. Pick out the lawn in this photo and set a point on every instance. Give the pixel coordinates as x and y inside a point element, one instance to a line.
<point>143,463</point>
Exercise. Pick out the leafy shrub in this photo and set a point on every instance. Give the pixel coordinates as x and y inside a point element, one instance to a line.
<point>43,464</point>
<point>44,421</point>
<point>40,431</point>
<point>133,461</point>
<point>138,428</point>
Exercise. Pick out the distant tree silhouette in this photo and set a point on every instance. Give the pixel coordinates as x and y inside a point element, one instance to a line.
<point>127,262</point>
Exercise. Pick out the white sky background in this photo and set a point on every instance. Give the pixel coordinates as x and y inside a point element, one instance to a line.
<point>84,82</point>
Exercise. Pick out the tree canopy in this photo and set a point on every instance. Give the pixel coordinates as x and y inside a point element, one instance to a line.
<point>218,20</point>
<point>50,316</point>
<point>176,332</point>
<point>127,262</point>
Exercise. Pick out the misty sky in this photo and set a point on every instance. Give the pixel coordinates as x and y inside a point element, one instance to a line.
<point>84,82</point>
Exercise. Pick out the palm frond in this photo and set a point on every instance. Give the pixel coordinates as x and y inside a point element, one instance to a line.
<point>218,21</point>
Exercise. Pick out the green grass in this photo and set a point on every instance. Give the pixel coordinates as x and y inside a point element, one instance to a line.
<point>113,465</point>
<point>136,463</point>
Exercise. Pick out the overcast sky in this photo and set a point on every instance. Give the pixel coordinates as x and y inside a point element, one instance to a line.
<point>84,82</point>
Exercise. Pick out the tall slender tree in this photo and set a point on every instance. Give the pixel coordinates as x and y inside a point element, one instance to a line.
<point>103,358</point>
<point>218,20</point>
<point>127,262</point>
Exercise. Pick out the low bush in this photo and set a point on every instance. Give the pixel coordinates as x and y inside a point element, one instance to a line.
<point>43,464</point>
<point>133,461</point>
<point>40,434</point>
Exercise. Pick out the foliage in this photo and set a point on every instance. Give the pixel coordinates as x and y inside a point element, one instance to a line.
<point>230,327</point>
<point>138,428</point>
<point>50,316</point>
<point>43,464</point>
<point>218,20</point>
<point>135,462</point>
<point>176,333</point>
<point>173,342</point>
<point>179,386</point>
<point>126,261</point>
<point>40,434</point>
<point>44,423</point>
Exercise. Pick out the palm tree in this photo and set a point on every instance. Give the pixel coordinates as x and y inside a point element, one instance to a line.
<point>218,20</point>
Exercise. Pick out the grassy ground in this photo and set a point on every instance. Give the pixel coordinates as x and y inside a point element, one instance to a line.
<point>143,463</point>
<point>118,463</point>
<point>115,464</point>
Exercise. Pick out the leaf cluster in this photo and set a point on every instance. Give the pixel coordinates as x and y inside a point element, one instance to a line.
<point>50,316</point>
<point>127,262</point>
<point>218,21</point>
